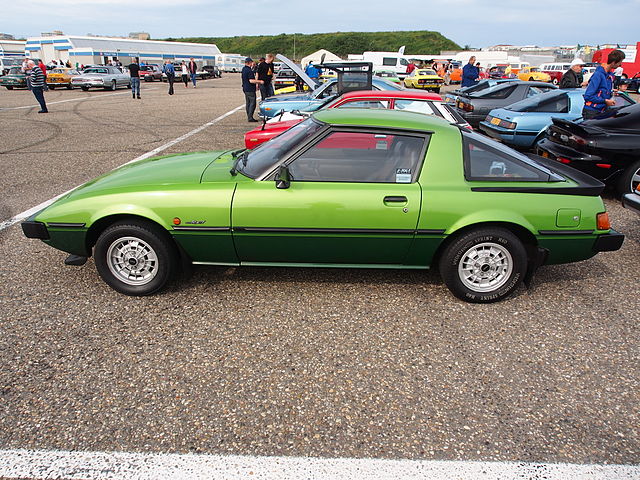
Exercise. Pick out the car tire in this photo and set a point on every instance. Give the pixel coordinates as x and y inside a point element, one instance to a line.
<point>531,79</point>
<point>9,88</point>
<point>113,85</point>
<point>135,257</point>
<point>436,90</point>
<point>51,87</point>
<point>555,81</point>
<point>629,180</point>
<point>69,87</point>
<point>491,255</point>
<point>85,89</point>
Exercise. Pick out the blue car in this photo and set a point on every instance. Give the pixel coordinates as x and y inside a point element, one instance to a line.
<point>452,97</point>
<point>521,124</point>
<point>306,101</point>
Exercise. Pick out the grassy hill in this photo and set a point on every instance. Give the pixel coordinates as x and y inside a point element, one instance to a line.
<point>340,43</point>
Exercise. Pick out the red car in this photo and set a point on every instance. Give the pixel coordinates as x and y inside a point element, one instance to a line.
<point>411,101</point>
<point>149,73</point>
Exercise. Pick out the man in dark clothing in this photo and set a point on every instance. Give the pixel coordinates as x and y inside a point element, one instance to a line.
<point>192,66</point>
<point>134,72</point>
<point>249,82</point>
<point>598,96</point>
<point>37,80</point>
<point>265,74</point>
<point>470,73</point>
<point>169,70</point>
<point>572,78</point>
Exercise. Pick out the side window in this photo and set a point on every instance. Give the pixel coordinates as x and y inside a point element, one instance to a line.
<point>484,162</point>
<point>391,62</point>
<point>361,157</point>
<point>418,106</point>
<point>533,91</point>
<point>556,104</point>
<point>403,62</point>
<point>501,92</point>
<point>366,104</point>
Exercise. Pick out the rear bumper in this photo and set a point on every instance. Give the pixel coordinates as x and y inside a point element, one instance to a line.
<point>608,242</point>
<point>631,201</point>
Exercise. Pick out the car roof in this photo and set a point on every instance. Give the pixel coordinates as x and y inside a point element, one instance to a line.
<point>391,94</point>
<point>383,118</point>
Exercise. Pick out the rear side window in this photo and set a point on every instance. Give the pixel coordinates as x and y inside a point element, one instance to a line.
<point>485,161</point>
<point>500,92</point>
<point>418,106</point>
<point>555,104</point>
<point>366,104</point>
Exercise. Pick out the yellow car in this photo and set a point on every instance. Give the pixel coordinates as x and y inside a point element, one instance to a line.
<point>424,78</point>
<point>533,73</point>
<point>60,77</point>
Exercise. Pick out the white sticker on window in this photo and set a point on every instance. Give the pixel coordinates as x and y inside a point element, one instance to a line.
<point>403,175</point>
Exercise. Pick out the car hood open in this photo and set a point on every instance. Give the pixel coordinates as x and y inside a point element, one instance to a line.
<point>298,71</point>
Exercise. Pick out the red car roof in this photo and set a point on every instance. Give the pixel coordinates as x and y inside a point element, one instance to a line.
<point>390,94</point>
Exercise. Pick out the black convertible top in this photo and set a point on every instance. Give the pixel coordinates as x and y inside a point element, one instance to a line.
<point>626,118</point>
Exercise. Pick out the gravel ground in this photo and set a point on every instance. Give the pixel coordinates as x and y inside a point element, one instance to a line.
<point>305,362</point>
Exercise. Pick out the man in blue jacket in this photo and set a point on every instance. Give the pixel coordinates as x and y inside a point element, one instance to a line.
<point>169,70</point>
<point>598,96</point>
<point>470,73</point>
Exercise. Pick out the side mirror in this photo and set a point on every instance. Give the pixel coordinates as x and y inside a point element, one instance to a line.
<point>283,179</point>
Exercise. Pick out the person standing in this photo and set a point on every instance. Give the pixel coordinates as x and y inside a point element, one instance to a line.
<point>410,67</point>
<point>312,72</point>
<point>185,74</point>
<point>573,78</point>
<point>265,75</point>
<point>470,73</point>
<point>598,96</point>
<point>169,70</point>
<point>249,85</point>
<point>134,72</point>
<point>617,73</point>
<point>193,68</point>
<point>37,80</point>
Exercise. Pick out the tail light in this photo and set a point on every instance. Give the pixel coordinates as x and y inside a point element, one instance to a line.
<point>602,221</point>
<point>563,160</point>
<point>467,107</point>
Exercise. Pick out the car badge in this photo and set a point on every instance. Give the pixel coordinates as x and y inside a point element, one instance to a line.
<point>195,222</point>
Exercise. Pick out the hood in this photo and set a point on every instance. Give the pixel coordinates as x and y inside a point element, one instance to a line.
<point>185,168</point>
<point>286,97</point>
<point>298,71</point>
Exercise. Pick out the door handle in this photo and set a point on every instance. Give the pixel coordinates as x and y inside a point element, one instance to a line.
<point>391,199</point>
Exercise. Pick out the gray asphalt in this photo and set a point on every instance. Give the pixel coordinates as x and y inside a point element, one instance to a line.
<point>266,361</point>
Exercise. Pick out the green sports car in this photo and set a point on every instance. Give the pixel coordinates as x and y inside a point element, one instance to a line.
<point>344,188</point>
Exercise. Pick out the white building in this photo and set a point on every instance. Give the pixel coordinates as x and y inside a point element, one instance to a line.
<point>12,48</point>
<point>100,50</point>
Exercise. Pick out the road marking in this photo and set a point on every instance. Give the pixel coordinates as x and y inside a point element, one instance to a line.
<point>27,213</point>
<point>73,100</point>
<point>140,466</point>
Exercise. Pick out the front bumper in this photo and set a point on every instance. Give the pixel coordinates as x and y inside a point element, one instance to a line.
<point>631,201</point>
<point>608,242</point>
<point>33,229</point>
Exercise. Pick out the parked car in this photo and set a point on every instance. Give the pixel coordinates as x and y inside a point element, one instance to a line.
<point>150,73</point>
<point>522,124</point>
<point>14,79</point>
<point>213,71</point>
<point>420,102</point>
<point>344,188</point>
<point>474,107</point>
<point>632,200</point>
<point>533,74</point>
<point>61,77</point>
<point>7,62</point>
<point>452,97</point>
<point>501,71</point>
<point>425,78</point>
<point>555,71</point>
<point>633,84</point>
<point>301,100</point>
<point>388,75</point>
<point>284,77</point>
<point>106,77</point>
<point>605,148</point>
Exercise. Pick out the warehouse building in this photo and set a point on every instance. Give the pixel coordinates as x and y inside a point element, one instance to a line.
<point>101,50</point>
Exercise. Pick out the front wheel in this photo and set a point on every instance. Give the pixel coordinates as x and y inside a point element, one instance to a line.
<point>135,257</point>
<point>484,265</point>
<point>85,89</point>
<point>531,79</point>
<point>555,81</point>
<point>9,88</point>
<point>51,87</point>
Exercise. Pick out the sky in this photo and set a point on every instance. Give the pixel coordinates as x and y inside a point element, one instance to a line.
<point>477,23</point>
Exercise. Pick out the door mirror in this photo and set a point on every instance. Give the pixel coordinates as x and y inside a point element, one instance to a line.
<point>283,180</point>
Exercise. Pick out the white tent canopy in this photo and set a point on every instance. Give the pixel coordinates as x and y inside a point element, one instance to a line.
<point>315,57</point>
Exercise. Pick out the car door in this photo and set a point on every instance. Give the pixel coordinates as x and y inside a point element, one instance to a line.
<point>352,198</point>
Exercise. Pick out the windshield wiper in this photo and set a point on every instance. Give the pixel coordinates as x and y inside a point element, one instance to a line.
<point>237,155</point>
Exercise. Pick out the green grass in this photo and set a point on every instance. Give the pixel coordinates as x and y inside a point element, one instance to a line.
<point>340,43</point>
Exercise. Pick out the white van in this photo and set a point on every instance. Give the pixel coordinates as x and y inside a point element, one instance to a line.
<point>230,62</point>
<point>387,61</point>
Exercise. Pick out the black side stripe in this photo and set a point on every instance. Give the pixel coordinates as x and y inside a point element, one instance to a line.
<point>565,232</point>
<point>364,231</point>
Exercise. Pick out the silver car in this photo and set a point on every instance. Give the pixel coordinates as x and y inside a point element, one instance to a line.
<point>106,77</point>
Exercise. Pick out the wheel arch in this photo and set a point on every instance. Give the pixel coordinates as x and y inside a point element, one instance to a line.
<point>527,238</point>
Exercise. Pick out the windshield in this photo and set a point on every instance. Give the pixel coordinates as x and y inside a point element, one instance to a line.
<point>260,160</point>
<point>15,71</point>
<point>382,84</point>
<point>427,72</point>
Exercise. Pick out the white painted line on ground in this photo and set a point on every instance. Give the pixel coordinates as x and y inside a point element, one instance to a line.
<point>139,466</point>
<point>76,99</point>
<point>21,216</point>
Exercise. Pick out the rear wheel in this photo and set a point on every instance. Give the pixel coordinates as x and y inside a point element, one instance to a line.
<point>630,179</point>
<point>9,88</point>
<point>531,79</point>
<point>135,257</point>
<point>555,81</point>
<point>85,89</point>
<point>113,86</point>
<point>484,265</point>
<point>51,87</point>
